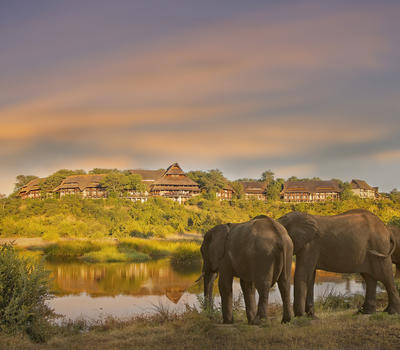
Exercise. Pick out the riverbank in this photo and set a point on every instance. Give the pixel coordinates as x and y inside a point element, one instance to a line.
<point>194,330</point>
<point>181,250</point>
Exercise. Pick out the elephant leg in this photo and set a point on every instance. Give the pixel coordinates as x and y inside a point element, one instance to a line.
<point>310,296</point>
<point>263,293</point>
<point>369,306</point>
<point>397,275</point>
<point>284,289</point>
<point>388,281</point>
<point>303,280</point>
<point>249,299</point>
<point>225,289</point>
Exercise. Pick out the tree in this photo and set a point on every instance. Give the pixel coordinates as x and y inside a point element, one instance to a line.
<point>55,179</point>
<point>98,171</point>
<point>22,180</point>
<point>274,189</point>
<point>238,189</point>
<point>210,181</point>
<point>267,177</point>
<point>114,182</point>
<point>346,193</point>
<point>394,195</point>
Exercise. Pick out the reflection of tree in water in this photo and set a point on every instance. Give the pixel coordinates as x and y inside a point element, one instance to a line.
<point>149,278</point>
<point>187,269</point>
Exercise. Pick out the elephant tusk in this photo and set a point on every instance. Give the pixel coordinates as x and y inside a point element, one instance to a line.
<point>198,280</point>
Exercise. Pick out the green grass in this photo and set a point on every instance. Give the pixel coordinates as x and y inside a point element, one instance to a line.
<point>125,250</point>
<point>197,330</point>
<point>114,254</point>
<point>186,253</point>
<point>70,250</point>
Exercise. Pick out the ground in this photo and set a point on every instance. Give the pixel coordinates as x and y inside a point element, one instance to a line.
<point>333,330</point>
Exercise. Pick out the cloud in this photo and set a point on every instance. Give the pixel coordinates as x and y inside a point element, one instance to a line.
<point>387,156</point>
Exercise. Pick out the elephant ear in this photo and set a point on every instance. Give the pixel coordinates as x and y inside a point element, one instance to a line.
<point>215,245</point>
<point>301,227</point>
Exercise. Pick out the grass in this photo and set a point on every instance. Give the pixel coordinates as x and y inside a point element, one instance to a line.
<point>186,253</point>
<point>125,250</point>
<point>114,254</point>
<point>196,330</point>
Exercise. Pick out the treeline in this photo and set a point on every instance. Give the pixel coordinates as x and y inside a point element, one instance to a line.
<point>158,217</point>
<point>210,182</point>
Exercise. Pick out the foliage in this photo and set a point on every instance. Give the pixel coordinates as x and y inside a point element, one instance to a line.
<point>186,253</point>
<point>24,290</point>
<point>114,254</point>
<point>209,181</point>
<point>346,193</point>
<point>116,182</point>
<point>74,217</point>
<point>394,195</point>
<point>70,250</point>
<point>55,179</point>
<point>22,180</point>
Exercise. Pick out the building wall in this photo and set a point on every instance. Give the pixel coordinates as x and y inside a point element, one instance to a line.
<point>363,193</point>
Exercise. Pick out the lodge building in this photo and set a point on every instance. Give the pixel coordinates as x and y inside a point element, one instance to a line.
<point>88,186</point>
<point>254,190</point>
<point>175,184</point>
<point>225,193</point>
<point>361,189</point>
<point>311,191</point>
<point>31,189</point>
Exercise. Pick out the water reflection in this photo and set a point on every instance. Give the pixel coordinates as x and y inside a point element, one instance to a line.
<point>125,289</point>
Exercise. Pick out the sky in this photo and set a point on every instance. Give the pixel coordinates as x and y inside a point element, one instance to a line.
<point>303,88</point>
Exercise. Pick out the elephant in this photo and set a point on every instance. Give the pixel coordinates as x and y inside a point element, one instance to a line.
<point>396,254</point>
<point>260,253</point>
<point>354,241</point>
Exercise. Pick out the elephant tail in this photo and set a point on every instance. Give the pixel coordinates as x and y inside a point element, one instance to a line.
<point>380,255</point>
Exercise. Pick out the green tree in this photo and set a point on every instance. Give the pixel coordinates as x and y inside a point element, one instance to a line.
<point>238,189</point>
<point>394,195</point>
<point>210,181</point>
<point>346,193</point>
<point>274,189</point>
<point>22,180</point>
<point>55,179</point>
<point>98,171</point>
<point>267,177</point>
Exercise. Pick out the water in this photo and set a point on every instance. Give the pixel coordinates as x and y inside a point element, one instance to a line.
<point>122,290</point>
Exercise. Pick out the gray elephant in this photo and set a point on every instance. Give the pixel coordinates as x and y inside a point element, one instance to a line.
<point>355,241</point>
<point>396,254</point>
<point>259,252</point>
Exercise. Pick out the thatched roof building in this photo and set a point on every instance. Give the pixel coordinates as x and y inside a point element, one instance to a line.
<point>31,189</point>
<point>254,189</point>
<point>87,185</point>
<point>361,189</point>
<point>175,184</point>
<point>311,191</point>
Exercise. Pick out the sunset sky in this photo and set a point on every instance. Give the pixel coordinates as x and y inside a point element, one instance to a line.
<point>304,88</point>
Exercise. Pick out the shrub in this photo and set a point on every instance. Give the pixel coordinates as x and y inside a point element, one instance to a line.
<point>113,254</point>
<point>24,290</point>
<point>70,250</point>
<point>186,253</point>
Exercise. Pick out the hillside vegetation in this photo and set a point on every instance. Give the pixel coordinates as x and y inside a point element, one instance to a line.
<point>73,217</point>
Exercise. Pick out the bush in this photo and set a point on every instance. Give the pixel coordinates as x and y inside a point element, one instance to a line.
<point>113,254</point>
<point>186,253</point>
<point>70,250</point>
<point>24,290</point>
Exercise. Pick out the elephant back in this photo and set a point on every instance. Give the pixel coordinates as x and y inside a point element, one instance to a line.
<point>301,227</point>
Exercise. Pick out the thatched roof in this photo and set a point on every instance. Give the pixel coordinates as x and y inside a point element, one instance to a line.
<point>311,186</point>
<point>81,182</point>
<point>360,184</point>
<point>148,175</point>
<point>33,185</point>
<point>254,187</point>
<point>174,177</point>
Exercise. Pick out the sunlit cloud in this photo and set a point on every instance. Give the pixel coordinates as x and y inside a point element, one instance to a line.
<point>283,81</point>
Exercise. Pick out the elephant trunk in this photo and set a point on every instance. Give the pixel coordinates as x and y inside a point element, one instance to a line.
<point>209,278</point>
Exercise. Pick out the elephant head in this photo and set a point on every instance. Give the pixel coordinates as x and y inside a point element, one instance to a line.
<point>212,251</point>
<point>301,227</point>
